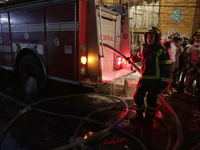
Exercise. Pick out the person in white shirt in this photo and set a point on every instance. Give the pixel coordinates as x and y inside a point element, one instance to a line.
<point>171,48</point>
<point>176,40</point>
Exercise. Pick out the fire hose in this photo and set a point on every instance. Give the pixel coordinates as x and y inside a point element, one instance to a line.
<point>179,140</point>
<point>32,107</point>
<point>106,128</point>
<point>178,143</point>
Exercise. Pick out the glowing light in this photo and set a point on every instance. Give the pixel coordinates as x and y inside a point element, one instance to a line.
<point>125,62</point>
<point>115,142</point>
<point>85,137</point>
<point>90,59</point>
<point>118,62</point>
<point>88,134</point>
<point>83,60</point>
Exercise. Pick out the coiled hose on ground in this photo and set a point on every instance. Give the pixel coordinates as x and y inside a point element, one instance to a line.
<point>107,128</point>
<point>86,119</point>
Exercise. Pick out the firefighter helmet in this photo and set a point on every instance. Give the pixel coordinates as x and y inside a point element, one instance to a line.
<point>154,30</point>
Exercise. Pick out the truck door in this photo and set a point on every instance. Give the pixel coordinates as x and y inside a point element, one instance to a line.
<point>108,28</point>
<point>61,39</point>
<point>5,42</point>
<point>110,23</point>
<point>112,63</point>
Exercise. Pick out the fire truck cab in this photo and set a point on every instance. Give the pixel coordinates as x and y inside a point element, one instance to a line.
<point>62,40</point>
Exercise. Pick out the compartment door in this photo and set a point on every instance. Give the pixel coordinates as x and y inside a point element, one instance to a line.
<point>61,39</point>
<point>108,27</point>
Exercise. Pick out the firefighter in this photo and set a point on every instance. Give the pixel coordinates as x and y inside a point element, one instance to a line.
<point>155,74</point>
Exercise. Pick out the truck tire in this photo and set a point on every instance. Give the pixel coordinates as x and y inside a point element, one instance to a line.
<point>30,67</point>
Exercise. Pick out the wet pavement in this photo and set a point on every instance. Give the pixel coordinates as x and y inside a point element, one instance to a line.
<point>187,109</point>
<point>36,130</point>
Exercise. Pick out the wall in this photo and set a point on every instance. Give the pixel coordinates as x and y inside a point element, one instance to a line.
<point>177,16</point>
<point>196,24</point>
<point>145,14</point>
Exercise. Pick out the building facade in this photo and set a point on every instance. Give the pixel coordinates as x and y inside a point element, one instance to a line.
<point>169,16</point>
<point>181,15</point>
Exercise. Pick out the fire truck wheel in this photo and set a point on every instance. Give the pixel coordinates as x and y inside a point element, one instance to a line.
<point>30,67</point>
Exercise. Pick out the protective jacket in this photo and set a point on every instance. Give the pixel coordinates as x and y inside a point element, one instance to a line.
<point>156,63</point>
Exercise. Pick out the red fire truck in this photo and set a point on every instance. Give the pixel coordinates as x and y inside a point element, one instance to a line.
<point>61,40</point>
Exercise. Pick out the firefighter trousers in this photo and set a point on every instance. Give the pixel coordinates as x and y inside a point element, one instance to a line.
<point>152,91</point>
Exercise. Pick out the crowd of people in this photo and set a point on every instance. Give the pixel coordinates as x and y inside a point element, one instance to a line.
<point>180,51</point>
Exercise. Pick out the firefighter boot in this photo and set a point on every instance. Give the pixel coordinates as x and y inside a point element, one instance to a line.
<point>180,87</point>
<point>137,118</point>
<point>149,120</point>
